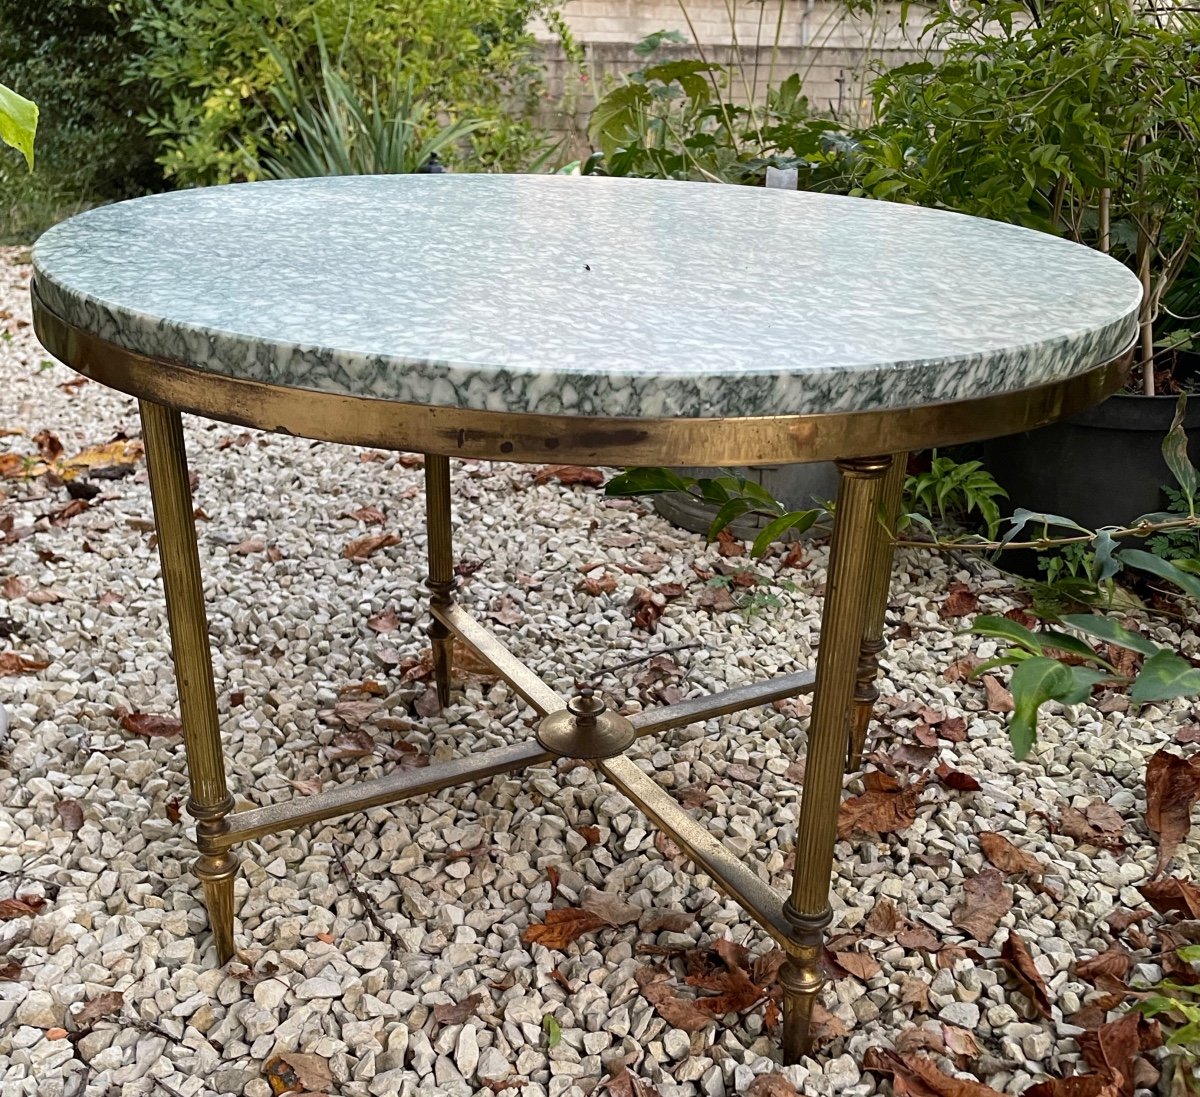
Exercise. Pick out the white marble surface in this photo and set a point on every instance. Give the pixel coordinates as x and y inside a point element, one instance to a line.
<point>587,296</point>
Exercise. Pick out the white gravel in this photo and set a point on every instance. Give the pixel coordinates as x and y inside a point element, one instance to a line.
<point>122,908</point>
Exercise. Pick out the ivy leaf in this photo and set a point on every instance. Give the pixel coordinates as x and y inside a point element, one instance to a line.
<point>1021,516</point>
<point>1165,675</point>
<point>647,481</point>
<point>1164,569</point>
<point>1105,628</point>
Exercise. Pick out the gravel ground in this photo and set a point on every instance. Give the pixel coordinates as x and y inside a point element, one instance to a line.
<point>293,623</point>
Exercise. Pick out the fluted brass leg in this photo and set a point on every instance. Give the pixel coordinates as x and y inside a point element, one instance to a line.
<point>842,623</point>
<point>441,567</point>
<point>210,802</point>
<point>878,579</point>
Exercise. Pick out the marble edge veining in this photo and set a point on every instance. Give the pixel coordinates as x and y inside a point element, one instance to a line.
<point>576,386</point>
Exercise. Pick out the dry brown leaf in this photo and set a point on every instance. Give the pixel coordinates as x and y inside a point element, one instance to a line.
<point>880,810</point>
<point>1113,963</point>
<point>249,545</point>
<point>457,1013</point>
<point>624,1084</point>
<point>605,584</point>
<point>986,901</point>
<point>1172,789</point>
<point>103,1006</point>
<point>918,937</point>
<point>728,545</point>
<point>70,814</point>
<point>569,474</point>
<point>1114,1048</point>
<point>733,991</point>
<point>716,599</point>
<point>10,972</point>
<point>1098,824</point>
<point>1079,1085</point>
<point>150,725</point>
<point>1172,893</point>
<point>1007,857</point>
<point>957,779</point>
<point>563,926</point>
<point>862,965</point>
<point>998,697</point>
<point>12,664</point>
<point>350,744</point>
<point>960,1043</point>
<point>46,596</point>
<point>19,908</point>
<point>1017,958</point>
<point>961,601</point>
<point>371,516</point>
<point>913,1039</point>
<point>914,992</point>
<point>48,445</point>
<point>655,984</point>
<point>387,621</point>
<point>914,1076</point>
<point>590,834</point>
<point>674,921</point>
<point>12,588</point>
<point>646,607</point>
<point>312,1071</point>
<point>885,919</point>
<point>361,548</point>
<point>771,1085</point>
<point>307,786</point>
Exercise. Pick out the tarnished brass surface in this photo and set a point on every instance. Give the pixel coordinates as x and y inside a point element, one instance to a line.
<point>877,575</point>
<point>696,710</point>
<point>568,439</point>
<point>731,874</point>
<point>210,802</point>
<point>586,728</point>
<point>441,569</point>
<point>524,682</point>
<point>855,528</point>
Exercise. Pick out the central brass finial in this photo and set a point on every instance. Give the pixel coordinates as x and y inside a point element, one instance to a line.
<point>586,728</point>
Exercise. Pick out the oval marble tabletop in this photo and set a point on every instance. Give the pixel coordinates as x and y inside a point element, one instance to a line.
<point>587,296</point>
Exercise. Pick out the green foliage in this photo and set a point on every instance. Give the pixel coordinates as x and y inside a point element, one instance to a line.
<point>676,120</point>
<point>18,123</point>
<point>1176,1005</point>
<point>1057,116</point>
<point>952,491</point>
<point>336,131</point>
<point>1182,546</point>
<point>69,57</point>
<point>214,77</point>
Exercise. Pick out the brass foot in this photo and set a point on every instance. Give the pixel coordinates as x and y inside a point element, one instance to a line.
<point>586,728</point>
<point>442,644</point>
<point>217,873</point>
<point>802,980</point>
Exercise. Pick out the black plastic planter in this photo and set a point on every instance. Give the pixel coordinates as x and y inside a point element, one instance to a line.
<point>1102,468</point>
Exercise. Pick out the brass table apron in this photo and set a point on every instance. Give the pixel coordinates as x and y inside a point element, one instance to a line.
<point>869,449</point>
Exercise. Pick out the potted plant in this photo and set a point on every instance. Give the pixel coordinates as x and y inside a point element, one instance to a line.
<point>1080,118</point>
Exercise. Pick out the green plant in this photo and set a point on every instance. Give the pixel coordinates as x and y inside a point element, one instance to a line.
<point>1078,117</point>
<point>952,491</point>
<point>213,75</point>
<point>337,131</point>
<point>69,57</point>
<point>18,123</point>
<point>1176,1005</point>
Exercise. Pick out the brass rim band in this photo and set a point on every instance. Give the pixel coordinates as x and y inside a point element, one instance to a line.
<point>568,439</point>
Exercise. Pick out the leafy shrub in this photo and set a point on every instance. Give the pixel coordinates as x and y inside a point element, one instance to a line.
<point>69,57</point>
<point>210,62</point>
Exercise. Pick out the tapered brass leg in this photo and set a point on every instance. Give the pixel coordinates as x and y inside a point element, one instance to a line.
<point>878,579</point>
<point>441,567</point>
<point>842,623</point>
<point>210,801</point>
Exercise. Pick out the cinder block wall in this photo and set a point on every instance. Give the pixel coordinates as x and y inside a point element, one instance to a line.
<point>835,51</point>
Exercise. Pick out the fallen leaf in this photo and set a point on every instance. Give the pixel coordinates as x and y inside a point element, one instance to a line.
<point>998,697</point>
<point>960,670</point>
<point>1113,1048</point>
<point>505,611</point>
<point>150,725</point>
<point>679,1012</point>
<point>48,445</point>
<point>307,786</point>
<point>862,965</point>
<point>960,1044</point>
<point>361,548</point>
<point>913,1076</point>
<point>918,937</point>
<point>251,544</point>
<point>12,588</point>
<point>1078,1085</point>
<point>102,1006</point>
<point>1017,958</point>
<point>625,1084</point>
<point>174,813</point>
<point>605,584</point>
<point>563,926</point>
<point>590,834</point>
<point>1007,857</point>
<point>1114,963</point>
<point>957,779</point>
<point>46,596</point>
<point>914,992</point>
<point>552,875</point>
<point>1172,788</point>
<point>987,900</point>
<point>350,744</point>
<point>675,921</point>
<point>557,975</point>
<point>1172,893</point>
<point>1098,824</point>
<point>885,919</point>
<point>771,1085</point>
<point>10,972</point>
<point>609,906</point>
<point>371,516</point>
<point>457,1013</point>
<point>716,599</point>
<point>387,621</point>
<point>667,846</point>
<point>569,474</point>
<point>881,810</point>
<point>960,602</point>
<point>1120,920</point>
<point>914,1039</point>
<point>70,814</point>
<point>19,908</point>
<point>12,664</point>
